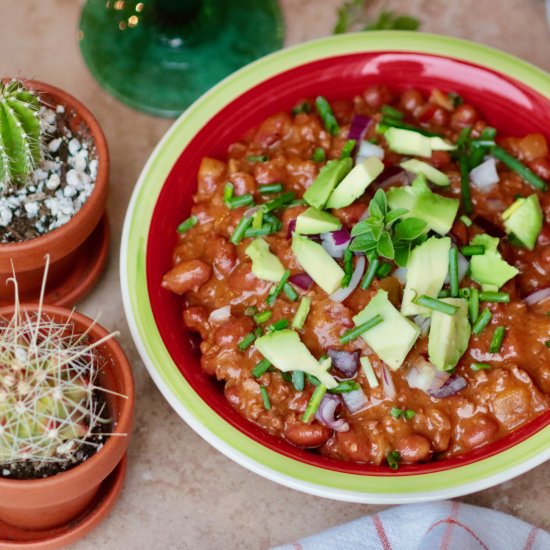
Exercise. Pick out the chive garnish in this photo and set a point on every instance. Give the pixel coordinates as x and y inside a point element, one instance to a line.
<point>298,380</point>
<point>265,398</point>
<point>396,412</point>
<point>263,316</point>
<point>445,293</point>
<point>258,331</point>
<point>318,155</point>
<point>480,366</point>
<point>436,305</point>
<point>465,185</point>
<point>371,272</point>
<point>250,311</point>
<point>393,122</point>
<point>261,368</point>
<point>473,250</point>
<point>228,190</point>
<point>453,271</point>
<point>489,296</point>
<point>392,112</point>
<point>278,325</point>
<point>464,292</point>
<point>473,305</point>
<point>304,107</point>
<point>242,200</point>
<point>252,232</point>
<point>301,313</point>
<point>463,136</point>
<point>496,342</point>
<point>286,376</point>
<point>269,188</point>
<point>240,230</point>
<point>247,341</point>
<point>482,321</point>
<point>348,267</point>
<point>346,386</point>
<point>257,158</point>
<point>547,343</point>
<point>348,148</point>
<point>314,403</point>
<point>354,333</point>
<point>393,458</point>
<point>384,269</point>
<point>187,224</point>
<point>477,153</point>
<point>312,379</point>
<point>327,115</point>
<point>272,296</point>
<point>257,220</point>
<point>466,221</point>
<point>514,164</point>
<point>278,202</point>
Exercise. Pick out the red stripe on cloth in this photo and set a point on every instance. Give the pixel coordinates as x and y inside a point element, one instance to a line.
<point>449,530</point>
<point>531,538</point>
<point>465,527</point>
<point>379,526</point>
<point>297,546</point>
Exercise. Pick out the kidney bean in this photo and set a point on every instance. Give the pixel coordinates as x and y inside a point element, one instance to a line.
<point>242,279</point>
<point>272,129</point>
<point>440,117</point>
<point>189,275</point>
<point>440,159</point>
<point>349,215</point>
<point>376,96</point>
<point>195,318</point>
<point>414,448</point>
<point>221,254</point>
<point>272,171</point>
<point>533,146</point>
<point>211,174</point>
<point>233,331</point>
<point>410,100</point>
<point>307,435</point>
<point>478,430</point>
<point>541,167</point>
<point>464,115</point>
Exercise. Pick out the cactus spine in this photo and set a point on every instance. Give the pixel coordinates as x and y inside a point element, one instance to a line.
<point>20,134</point>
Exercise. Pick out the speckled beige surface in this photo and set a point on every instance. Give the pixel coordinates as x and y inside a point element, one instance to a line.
<point>180,492</point>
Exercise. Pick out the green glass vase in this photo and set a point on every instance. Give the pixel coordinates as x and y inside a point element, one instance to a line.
<point>158,56</point>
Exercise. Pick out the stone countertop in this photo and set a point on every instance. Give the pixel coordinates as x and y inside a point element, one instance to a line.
<point>180,492</point>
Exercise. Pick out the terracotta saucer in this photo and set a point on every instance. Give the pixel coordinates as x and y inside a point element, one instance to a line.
<point>13,538</point>
<point>86,270</point>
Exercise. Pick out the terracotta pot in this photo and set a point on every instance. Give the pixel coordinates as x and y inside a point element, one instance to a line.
<point>56,500</point>
<point>63,243</point>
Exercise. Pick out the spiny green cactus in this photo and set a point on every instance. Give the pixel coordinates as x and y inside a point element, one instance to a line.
<point>48,396</point>
<point>20,134</point>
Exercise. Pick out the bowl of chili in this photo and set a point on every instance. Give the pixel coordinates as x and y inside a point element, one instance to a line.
<point>226,188</point>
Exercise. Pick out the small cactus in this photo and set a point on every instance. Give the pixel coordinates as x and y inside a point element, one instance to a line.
<point>48,398</point>
<point>20,134</point>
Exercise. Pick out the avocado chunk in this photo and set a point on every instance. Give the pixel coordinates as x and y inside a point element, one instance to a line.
<point>432,174</point>
<point>285,350</point>
<point>427,268</point>
<point>394,337</point>
<point>355,183</point>
<point>407,142</point>
<point>437,211</point>
<point>524,220</point>
<point>439,144</point>
<point>330,175</point>
<point>313,221</point>
<point>449,335</point>
<point>489,268</point>
<point>265,265</point>
<point>317,263</point>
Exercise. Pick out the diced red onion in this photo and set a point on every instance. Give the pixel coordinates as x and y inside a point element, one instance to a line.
<point>538,296</point>
<point>326,411</point>
<point>335,242</point>
<point>220,314</point>
<point>359,125</point>
<point>301,280</point>
<point>421,374</point>
<point>346,362</point>
<point>291,228</point>
<point>423,322</point>
<point>400,179</point>
<point>368,150</point>
<point>485,176</point>
<point>342,293</point>
<point>400,274</point>
<point>453,385</point>
<point>251,211</point>
<point>388,387</point>
<point>355,400</point>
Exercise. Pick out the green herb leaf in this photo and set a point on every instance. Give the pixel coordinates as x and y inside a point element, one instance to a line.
<point>410,228</point>
<point>385,246</point>
<point>395,215</point>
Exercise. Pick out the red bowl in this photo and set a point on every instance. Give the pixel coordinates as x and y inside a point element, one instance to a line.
<point>506,103</point>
